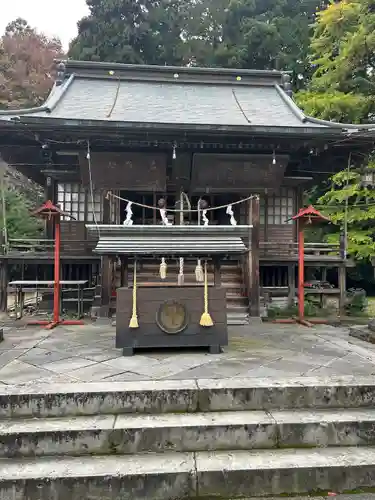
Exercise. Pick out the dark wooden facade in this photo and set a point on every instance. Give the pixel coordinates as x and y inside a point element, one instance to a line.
<point>218,134</point>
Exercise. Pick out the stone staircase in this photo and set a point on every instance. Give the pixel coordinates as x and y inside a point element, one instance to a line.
<point>187,439</point>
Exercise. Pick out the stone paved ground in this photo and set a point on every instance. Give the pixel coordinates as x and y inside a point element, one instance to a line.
<point>87,353</point>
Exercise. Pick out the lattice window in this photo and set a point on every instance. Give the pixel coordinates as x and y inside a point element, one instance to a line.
<point>76,201</point>
<point>262,210</point>
<point>97,208</point>
<point>281,207</point>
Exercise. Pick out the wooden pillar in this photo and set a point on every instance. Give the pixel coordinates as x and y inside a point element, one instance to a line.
<point>106,284</point>
<point>301,270</point>
<point>342,288</point>
<point>49,194</point>
<point>253,259</point>
<point>106,267</point>
<point>324,274</point>
<point>265,228</point>
<point>298,204</point>
<point>217,273</point>
<point>124,272</point>
<point>4,280</point>
<point>291,284</point>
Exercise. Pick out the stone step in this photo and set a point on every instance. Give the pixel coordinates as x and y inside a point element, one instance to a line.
<point>186,396</point>
<point>234,321</point>
<point>135,434</point>
<point>168,476</point>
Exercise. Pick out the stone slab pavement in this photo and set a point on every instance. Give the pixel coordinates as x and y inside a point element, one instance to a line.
<point>332,496</point>
<point>87,353</point>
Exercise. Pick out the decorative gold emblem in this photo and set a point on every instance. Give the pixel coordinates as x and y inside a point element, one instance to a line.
<point>172,317</point>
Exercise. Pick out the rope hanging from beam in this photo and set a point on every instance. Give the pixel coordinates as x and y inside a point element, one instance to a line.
<point>192,210</point>
<point>134,319</point>
<point>206,319</point>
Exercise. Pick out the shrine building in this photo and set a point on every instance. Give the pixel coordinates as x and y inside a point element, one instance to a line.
<point>120,148</point>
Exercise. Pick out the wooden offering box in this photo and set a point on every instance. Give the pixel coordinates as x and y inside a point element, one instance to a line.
<point>169,317</point>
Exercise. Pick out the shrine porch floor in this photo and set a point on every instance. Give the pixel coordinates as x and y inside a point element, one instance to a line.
<point>87,354</point>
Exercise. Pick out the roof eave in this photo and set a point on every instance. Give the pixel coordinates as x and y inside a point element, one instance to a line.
<point>316,121</point>
<point>64,123</point>
<point>55,96</point>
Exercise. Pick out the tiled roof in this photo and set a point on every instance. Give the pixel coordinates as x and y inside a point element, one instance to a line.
<point>173,103</point>
<point>152,95</point>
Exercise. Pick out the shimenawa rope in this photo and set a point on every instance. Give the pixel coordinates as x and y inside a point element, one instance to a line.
<point>190,210</point>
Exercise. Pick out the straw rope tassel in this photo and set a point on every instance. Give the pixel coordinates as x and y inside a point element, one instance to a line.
<point>180,277</point>
<point>163,269</point>
<point>199,275</point>
<point>206,319</point>
<point>134,319</point>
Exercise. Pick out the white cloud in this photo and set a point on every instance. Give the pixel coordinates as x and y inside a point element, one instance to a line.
<point>53,17</point>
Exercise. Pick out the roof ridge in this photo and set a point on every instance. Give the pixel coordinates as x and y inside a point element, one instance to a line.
<point>71,64</point>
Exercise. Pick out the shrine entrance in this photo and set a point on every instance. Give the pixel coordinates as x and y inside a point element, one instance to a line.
<point>146,215</point>
<point>145,212</point>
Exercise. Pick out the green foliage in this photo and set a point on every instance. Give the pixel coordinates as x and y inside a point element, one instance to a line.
<point>261,34</point>
<point>343,47</point>
<point>311,310</point>
<point>348,198</point>
<point>336,106</point>
<point>356,302</point>
<point>342,89</point>
<point>342,53</point>
<point>19,221</point>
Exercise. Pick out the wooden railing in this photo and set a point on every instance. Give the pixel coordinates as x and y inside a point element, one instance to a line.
<point>44,245</point>
<point>290,249</point>
<point>267,248</point>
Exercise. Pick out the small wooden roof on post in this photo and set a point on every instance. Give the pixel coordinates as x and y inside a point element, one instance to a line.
<point>309,215</point>
<point>48,210</point>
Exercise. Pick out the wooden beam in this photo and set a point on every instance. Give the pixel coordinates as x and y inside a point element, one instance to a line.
<point>253,266</point>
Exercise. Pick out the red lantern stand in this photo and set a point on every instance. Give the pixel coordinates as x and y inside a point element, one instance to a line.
<point>304,217</point>
<point>48,211</point>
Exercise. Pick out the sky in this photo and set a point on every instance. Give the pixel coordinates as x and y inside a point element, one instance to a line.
<point>53,17</point>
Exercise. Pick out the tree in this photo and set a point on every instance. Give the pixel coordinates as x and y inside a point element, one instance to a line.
<point>342,86</point>
<point>26,65</point>
<point>18,219</point>
<point>261,34</point>
<point>130,32</point>
<point>351,200</point>
<point>342,89</point>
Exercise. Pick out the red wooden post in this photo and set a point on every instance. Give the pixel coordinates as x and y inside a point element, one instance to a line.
<point>301,270</point>
<point>56,292</point>
<point>50,211</point>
